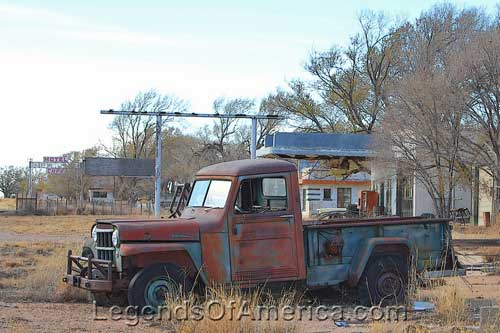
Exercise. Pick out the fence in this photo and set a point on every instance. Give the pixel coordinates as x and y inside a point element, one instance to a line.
<point>57,206</point>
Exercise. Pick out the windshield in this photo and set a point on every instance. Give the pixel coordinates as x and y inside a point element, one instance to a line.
<point>209,193</point>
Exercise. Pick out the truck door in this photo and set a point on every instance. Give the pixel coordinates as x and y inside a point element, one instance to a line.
<point>262,233</point>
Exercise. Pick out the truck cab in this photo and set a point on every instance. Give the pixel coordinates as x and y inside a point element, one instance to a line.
<point>243,226</point>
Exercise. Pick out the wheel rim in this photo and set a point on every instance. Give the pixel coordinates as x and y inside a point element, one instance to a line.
<point>157,290</point>
<point>389,284</point>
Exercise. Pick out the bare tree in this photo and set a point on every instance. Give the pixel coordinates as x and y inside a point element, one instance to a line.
<point>353,80</point>
<point>425,120</point>
<point>133,135</point>
<point>72,183</point>
<point>482,62</point>
<point>265,127</point>
<point>304,109</point>
<point>224,129</point>
<point>10,180</point>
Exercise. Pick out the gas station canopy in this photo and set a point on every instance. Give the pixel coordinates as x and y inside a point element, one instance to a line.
<point>317,146</point>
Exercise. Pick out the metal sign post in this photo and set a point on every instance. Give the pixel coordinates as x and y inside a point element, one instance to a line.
<point>159,115</point>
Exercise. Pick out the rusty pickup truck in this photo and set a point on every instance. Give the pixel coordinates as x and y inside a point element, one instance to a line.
<point>243,226</point>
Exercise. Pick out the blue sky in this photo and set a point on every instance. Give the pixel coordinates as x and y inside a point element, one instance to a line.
<point>62,61</point>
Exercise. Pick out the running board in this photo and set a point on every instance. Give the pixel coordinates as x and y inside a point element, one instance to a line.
<point>444,273</point>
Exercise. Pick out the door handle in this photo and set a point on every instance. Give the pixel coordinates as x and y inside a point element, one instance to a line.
<point>287,216</point>
<point>235,229</point>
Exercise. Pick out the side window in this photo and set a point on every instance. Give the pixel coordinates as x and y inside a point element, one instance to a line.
<point>327,194</point>
<point>261,195</point>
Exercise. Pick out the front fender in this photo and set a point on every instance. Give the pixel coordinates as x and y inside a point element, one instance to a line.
<point>360,259</point>
<point>186,255</point>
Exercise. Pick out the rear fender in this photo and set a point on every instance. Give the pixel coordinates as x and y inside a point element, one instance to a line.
<point>185,255</point>
<point>378,245</point>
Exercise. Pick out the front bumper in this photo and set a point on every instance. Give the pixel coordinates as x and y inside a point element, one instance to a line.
<point>80,270</point>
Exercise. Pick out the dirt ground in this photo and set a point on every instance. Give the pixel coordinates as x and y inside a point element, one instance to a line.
<point>33,298</point>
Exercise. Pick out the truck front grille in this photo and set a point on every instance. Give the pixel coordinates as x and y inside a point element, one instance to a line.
<point>104,244</point>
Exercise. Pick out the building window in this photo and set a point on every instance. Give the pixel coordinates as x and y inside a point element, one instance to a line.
<point>99,194</point>
<point>304,197</point>
<point>343,197</point>
<point>327,194</point>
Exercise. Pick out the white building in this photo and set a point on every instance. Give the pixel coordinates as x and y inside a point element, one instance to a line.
<point>321,191</point>
<point>333,167</point>
<point>405,195</point>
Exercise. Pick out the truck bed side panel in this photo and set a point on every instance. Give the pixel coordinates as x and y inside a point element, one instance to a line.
<point>427,242</point>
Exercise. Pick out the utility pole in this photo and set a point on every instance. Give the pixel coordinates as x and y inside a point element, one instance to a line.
<point>253,144</point>
<point>159,115</point>
<point>158,168</point>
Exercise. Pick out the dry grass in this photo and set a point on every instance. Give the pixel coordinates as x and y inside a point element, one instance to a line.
<point>470,231</point>
<point>52,225</point>
<point>8,204</point>
<point>33,272</point>
<point>243,312</point>
<point>450,305</point>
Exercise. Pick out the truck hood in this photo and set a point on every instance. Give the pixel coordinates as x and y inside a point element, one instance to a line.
<point>155,230</point>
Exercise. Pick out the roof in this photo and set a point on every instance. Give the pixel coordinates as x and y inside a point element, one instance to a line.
<point>247,167</point>
<point>316,145</point>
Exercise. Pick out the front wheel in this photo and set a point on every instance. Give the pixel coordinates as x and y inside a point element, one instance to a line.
<point>154,284</point>
<point>384,281</point>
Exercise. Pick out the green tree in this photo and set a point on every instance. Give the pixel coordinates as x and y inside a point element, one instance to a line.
<point>10,180</point>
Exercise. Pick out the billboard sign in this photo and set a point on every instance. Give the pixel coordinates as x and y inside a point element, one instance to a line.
<point>124,167</point>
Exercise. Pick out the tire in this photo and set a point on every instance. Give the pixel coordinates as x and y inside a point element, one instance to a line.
<point>87,252</point>
<point>384,281</point>
<point>151,286</point>
<point>104,299</point>
<point>88,248</point>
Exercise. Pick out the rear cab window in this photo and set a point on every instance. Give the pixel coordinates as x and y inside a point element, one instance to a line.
<point>260,195</point>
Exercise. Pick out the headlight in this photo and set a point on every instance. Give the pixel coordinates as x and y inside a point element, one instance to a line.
<point>94,233</point>
<point>115,238</point>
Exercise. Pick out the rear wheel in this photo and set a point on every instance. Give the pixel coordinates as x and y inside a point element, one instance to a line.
<point>154,284</point>
<point>384,281</point>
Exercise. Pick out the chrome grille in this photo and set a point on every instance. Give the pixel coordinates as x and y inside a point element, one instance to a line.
<point>104,244</point>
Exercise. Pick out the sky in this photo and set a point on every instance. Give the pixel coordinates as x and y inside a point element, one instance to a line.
<point>63,61</point>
